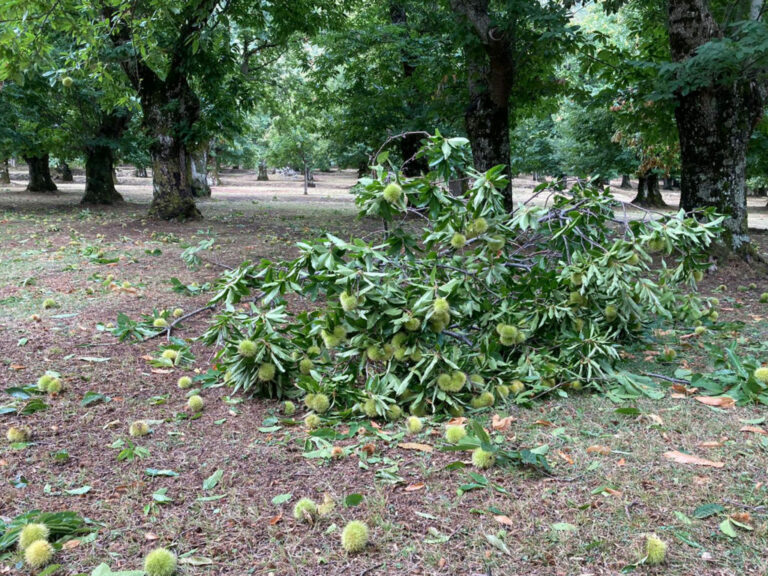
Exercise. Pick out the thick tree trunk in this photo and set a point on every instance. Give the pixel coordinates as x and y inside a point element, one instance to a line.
<point>626,183</point>
<point>197,171</point>
<point>5,175</point>
<point>668,183</point>
<point>491,75</point>
<point>99,177</point>
<point>715,124</point>
<point>65,172</point>
<point>262,177</point>
<point>39,174</point>
<point>648,193</point>
<point>140,172</point>
<point>172,197</point>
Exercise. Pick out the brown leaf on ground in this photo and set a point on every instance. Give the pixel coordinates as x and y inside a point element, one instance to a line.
<point>681,389</point>
<point>754,430</point>
<point>742,517</point>
<point>565,457</point>
<point>655,418</point>
<point>460,421</point>
<point>682,458</point>
<point>711,444</point>
<point>17,367</point>
<point>598,449</point>
<point>506,520</point>
<point>414,487</point>
<point>720,401</point>
<point>70,544</point>
<point>150,536</point>
<point>543,423</point>
<point>501,423</point>
<point>275,519</point>
<point>369,449</point>
<point>416,446</point>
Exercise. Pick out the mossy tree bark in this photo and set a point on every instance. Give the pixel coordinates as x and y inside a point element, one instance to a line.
<point>715,123</point>
<point>39,174</point>
<point>100,160</point>
<point>197,171</point>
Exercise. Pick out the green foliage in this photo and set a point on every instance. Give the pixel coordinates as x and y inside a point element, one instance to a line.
<point>559,268</point>
<point>59,524</point>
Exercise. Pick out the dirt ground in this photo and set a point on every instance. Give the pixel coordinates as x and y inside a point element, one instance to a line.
<point>611,484</point>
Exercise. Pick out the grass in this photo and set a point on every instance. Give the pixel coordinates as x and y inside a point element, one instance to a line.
<point>611,483</point>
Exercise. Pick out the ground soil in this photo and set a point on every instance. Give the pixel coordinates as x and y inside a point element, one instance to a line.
<point>589,517</point>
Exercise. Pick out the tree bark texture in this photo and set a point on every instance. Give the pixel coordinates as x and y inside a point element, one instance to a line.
<point>197,171</point>
<point>65,172</point>
<point>262,177</point>
<point>715,123</point>
<point>5,175</point>
<point>626,183</point>
<point>100,177</point>
<point>491,73</point>
<point>648,193</point>
<point>39,174</point>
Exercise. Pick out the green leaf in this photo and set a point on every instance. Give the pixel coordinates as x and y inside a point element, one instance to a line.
<point>727,528</point>
<point>564,527</point>
<point>211,482</point>
<point>155,472</point>
<point>281,498</point>
<point>78,491</point>
<point>707,510</point>
<point>352,500</point>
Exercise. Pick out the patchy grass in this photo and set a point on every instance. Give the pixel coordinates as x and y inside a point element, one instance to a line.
<point>610,486</point>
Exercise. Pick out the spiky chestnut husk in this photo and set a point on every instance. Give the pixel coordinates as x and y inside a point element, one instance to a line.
<point>656,245</point>
<point>313,350</point>
<point>761,374</point>
<point>416,355</point>
<point>458,241</point>
<point>516,387</point>
<point>348,301</point>
<point>15,434</point>
<point>38,554</point>
<point>247,348</point>
<point>496,243</point>
<point>668,354</point>
<point>160,562</point>
<point>43,381</point>
<point>477,227</point>
<point>394,413</point>
<point>336,452</point>
<point>184,382</point>
<point>699,330</point>
<point>312,421</point>
<point>752,286</point>
<point>170,354</point>
<point>309,400</point>
<point>400,354</point>
<point>138,428</point>
<point>67,82</point>
<point>454,434</point>
<point>354,537</point>
<point>441,306</point>
<point>575,298</point>
<point>321,403</point>
<point>714,315</point>
<point>374,353</point>
<point>698,275</point>
<point>329,339</point>
<point>418,409</point>
<point>610,313</point>
<point>399,339</point>
<point>655,550</point>
<point>634,259</point>
<point>195,403</point>
<point>54,386</point>
<point>160,323</point>
<point>369,408</point>
<point>484,400</point>
<point>266,372</point>
<point>305,510</point>
<point>412,324</point>
<point>575,385</point>
<point>414,424</point>
<point>502,390</point>
<point>178,312</point>
<point>289,408</point>
<point>576,279</point>
<point>49,303</point>
<point>476,379</point>
<point>306,365</point>
<point>482,459</point>
<point>32,533</point>
<point>392,192</point>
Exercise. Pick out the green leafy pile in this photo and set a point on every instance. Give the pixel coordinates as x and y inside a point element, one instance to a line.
<point>458,303</point>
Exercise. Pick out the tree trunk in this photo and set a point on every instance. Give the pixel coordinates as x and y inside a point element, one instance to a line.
<point>197,171</point>
<point>714,125</point>
<point>310,177</point>
<point>172,197</point>
<point>306,177</point>
<point>140,172</point>
<point>39,174</point>
<point>5,175</point>
<point>626,183</point>
<point>65,172</point>
<point>491,75</point>
<point>99,176</point>
<point>668,183</point>
<point>648,193</point>
<point>262,177</point>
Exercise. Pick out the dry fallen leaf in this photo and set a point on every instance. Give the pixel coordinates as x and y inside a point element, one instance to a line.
<point>275,519</point>
<point>565,457</point>
<point>742,517</point>
<point>460,421</point>
<point>598,449</point>
<point>70,544</point>
<point>17,367</point>
<point>416,446</point>
<point>754,430</point>
<point>150,536</point>
<point>414,487</point>
<point>711,444</point>
<point>681,389</point>
<point>543,423</point>
<point>369,449</point>
<point>720,401</point>
<point>656,418</point>
<point>504,520</point>
<point>501,423</point>
<point>682,458</point>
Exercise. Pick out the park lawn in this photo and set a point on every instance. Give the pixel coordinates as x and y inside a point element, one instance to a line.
<point>610,483</point>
